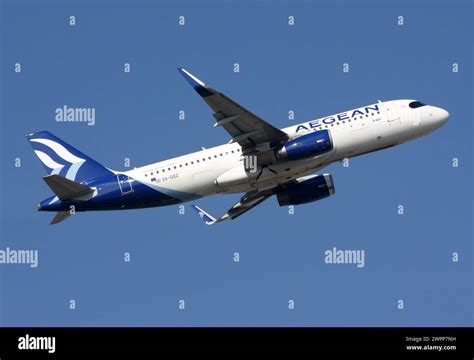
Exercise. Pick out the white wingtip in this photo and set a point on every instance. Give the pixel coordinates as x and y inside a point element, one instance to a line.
<point>192,77</point>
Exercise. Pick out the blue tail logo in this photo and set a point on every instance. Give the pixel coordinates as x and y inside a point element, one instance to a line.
<point>60,158</point>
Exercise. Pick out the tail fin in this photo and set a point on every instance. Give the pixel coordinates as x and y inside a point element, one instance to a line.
<point>60,158</point>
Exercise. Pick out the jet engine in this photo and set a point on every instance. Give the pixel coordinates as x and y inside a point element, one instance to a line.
<point>305,146</point>
<point>308,189</point>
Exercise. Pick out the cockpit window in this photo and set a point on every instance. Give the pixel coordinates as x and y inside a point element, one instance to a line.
<point>415,104</point>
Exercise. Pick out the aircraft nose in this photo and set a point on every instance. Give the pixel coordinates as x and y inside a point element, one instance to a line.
<point>435,117</point>
<point>442,116</point>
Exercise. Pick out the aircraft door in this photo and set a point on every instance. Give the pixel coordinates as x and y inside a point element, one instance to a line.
<point>393,113</point>
<point>124,184</point>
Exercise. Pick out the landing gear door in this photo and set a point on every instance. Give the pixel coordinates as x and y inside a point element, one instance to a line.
<point>124,184</point>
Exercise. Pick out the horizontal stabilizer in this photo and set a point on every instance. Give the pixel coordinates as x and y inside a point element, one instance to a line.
<point>66,189</point>
<point>60,216</point>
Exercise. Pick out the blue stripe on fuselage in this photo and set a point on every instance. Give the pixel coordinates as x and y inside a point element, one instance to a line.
<point>110,197</point>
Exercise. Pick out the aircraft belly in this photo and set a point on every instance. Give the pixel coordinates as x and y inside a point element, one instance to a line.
<point>290,170</point>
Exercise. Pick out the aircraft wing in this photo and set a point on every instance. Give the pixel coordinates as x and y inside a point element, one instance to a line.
<point>245,128</point>
<point>247,201</point>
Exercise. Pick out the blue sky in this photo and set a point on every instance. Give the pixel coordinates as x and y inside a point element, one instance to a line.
<point>282,68</point>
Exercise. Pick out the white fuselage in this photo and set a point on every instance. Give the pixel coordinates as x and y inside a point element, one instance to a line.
<point>221,169</point>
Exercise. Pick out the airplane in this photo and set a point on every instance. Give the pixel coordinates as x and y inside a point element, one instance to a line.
<point>260,160</point>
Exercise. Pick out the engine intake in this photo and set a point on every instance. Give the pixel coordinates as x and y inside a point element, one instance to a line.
<point>312,189</point>
<point>305,146</point>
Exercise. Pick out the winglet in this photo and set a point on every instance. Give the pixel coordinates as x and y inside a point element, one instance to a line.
<point>197,84</point>
<point>207,218</point>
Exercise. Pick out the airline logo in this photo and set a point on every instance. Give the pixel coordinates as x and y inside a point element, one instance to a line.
<point>71,162</point>
<point>317,124</point>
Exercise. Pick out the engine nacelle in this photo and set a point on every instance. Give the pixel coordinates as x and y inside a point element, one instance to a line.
<point>305,146</point>
<point>305,191</point>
